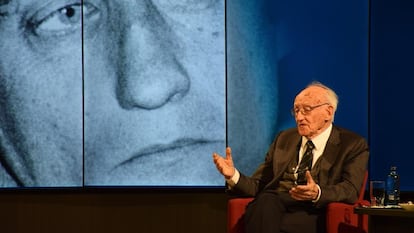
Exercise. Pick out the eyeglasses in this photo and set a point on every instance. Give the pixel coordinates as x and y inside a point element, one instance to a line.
<point>305,110</point>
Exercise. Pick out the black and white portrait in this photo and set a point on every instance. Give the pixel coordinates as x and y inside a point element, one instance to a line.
<point>106,92</point>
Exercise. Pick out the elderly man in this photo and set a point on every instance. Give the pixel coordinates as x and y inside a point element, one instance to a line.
<point>305,168</point>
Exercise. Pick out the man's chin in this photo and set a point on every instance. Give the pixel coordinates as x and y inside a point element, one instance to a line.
<point>302,132</point>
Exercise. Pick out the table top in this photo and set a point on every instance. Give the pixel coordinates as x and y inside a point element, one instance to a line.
<point>396,212</point>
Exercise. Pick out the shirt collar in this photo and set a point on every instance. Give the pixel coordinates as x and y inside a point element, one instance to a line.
<point>320,140</point>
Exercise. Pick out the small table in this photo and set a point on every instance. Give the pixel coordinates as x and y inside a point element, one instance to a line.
<point>388,219</point>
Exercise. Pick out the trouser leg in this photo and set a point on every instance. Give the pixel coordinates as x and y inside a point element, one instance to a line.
<point>273,212</point>
<point>264,214</point>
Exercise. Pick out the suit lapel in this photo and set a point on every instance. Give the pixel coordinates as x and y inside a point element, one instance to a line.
<point>330,153</point>
<point>291,151</point>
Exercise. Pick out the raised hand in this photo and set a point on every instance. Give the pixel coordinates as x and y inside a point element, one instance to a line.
<point>224,165</point>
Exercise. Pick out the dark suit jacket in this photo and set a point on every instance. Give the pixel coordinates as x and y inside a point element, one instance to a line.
<point>342,166</point>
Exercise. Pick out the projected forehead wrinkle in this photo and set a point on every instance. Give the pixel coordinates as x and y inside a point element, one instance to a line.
<point>192,6</point>
<point>4,2</point>
<point>4,5</point>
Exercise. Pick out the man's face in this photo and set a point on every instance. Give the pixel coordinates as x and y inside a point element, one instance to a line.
<point>41,91</point>
<point>154,92</point>
<point>313,112</point>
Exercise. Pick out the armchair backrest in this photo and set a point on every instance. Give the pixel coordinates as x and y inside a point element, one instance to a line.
<point>362,190</point>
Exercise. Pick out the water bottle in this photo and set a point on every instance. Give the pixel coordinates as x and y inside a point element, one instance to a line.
<point>393,187</point>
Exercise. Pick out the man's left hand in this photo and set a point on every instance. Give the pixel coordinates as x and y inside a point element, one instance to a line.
<point>308,192</point>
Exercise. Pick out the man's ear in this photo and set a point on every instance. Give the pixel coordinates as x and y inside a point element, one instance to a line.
<point>330,111</point>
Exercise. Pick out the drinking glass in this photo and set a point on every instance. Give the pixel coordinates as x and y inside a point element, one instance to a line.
<point>377,193</point>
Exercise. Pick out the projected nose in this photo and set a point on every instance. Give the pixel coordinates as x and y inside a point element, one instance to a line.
<point>151,76</point>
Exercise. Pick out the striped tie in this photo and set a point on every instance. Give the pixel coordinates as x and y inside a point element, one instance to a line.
<point>305,163</point>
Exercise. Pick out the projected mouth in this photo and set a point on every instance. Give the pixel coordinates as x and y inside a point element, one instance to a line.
<point>175,147</point>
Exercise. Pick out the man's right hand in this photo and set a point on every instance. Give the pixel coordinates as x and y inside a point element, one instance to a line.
<point>225,165</point>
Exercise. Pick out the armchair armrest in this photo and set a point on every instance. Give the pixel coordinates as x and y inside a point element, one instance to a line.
<point>235,211</point>
<point>340,218</point>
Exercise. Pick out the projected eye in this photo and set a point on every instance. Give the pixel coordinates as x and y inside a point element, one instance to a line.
<point>62,20</point>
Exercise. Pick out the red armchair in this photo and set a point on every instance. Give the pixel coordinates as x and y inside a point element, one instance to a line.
<point>340,217</point>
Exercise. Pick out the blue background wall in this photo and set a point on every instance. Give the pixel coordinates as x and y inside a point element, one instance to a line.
<point>391,89</point>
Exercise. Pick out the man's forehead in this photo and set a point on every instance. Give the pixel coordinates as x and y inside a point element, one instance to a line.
<point>311,95</point>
